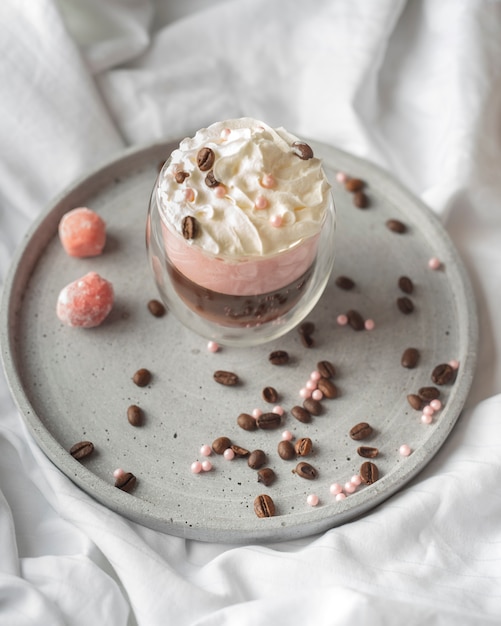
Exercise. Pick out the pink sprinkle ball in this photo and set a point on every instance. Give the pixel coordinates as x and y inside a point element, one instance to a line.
<point>225,133</point>
<point>356,480</point>
<point>267,181</point>
<point>82,233</point>
<point>312,499</point>
<point>305,393</point>
<point>311,385</point>
<point>278,410</point>
<point>212,346</point>
<point>341,177</point>
<point>86,302</point>
<point>454,364</point>
<point>434,263</point>
<point>196,467</point>
<point>287,435</point>
<point>189,194</point>
<point>220,191</point>
<point>340,496</point>
<point>206,466</point>
<point>426,419</point>
<point>350,487</point>
<point>118,473</point>
<point>428,410</point>
<point>205,450</point>
<point>228,454</point>
<point>369,325</point>
<point>436,405</point>
<point>276,221</point>
<point>256,413</point>
<point>342,319</point>
<point>315,376</point>
<point>317,394</point>
<point>261,203</point>
<point>404,450</point>
<point>335,489</point>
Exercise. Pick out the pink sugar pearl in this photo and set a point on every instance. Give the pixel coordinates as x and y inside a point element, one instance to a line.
<point>189,194</point>
<point>220,191</point>
<point>118,473</point>
<point>228,454</point>
<point>256,413</point>
<point>315,376</point>
<point>305,393</point>
<point>86,302</point>
<point>404,450</point>
<point>436,405</point>
<point>206,466</point>
<point>261,203</point>
<point>340,496</point>
<point>287,435</point>
<point>268,181</point>
<point>356,480</point>
<point>225,133</point>
<point>369,325</point>
<point>212,346</point>
<point>434,263</point>
<point>278,410</point>
<point>82,233</point>
<point>350,487</point>
<point>311,385</point>
<point>196,467</point>
<point>317,394</point>
<point>454,364</point>
<point>276,221</point>
<point>428,410</point>
<point>426,419</point>
<point>312,499</point>
<point>205,450</point>
<point>335,488</point>
<point>341,177</point>
<point>342,319</point>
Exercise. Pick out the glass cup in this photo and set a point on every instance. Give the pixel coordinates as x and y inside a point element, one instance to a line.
<point>249,302</point>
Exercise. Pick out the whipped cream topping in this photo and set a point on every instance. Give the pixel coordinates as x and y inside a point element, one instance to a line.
<point>254,191</point>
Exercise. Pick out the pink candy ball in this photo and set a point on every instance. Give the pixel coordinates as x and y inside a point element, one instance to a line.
<point>436,405</point>
<point>82,233</point>
<point>312,499</point>
<point>196,467</point>
<point>228,454</point>
<point>212,346</point>
<point>287,435</point>
<point>369,325</point>
<point>205,450</point>
<point>426,419</point>
<point>206,466</point>
<point>342,320</point>
<point>86,302</point>
<point>404,450</point>
<point>335,488</point>
<point>434,263</point>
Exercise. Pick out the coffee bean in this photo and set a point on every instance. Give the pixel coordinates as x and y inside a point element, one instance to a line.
<point>278,357</point>
<point>344,282</point>
<point>354,184</point>
<point>266,476</point>
<point>205,159</point>
<point>268,421</point>
<point>328,388</point>
<point>286,450</point>
<point>415,401</point>
<point>306,328</point>
<point>189,227</point>
<point>81,450</point>
<point>211,181</point>
<point>442,374</point>
<point>361,200</point>
<point>270,395</point>
<point>361,431</point>
<point>302,150</point>
<point>156,308</point>
<point>303,446</point>
<point>396,226</point>
<point>238,451</point>
<point>142,377</point>
<point>181,176</point>
<point>228,379</point>
<point>369,473</point>
<point>256,460</point>
<point>410,358</point>
<point>367,452</point>
<point>406,284</point>
<point>429,393</point>
<point>135,415</point>
<point>221,444</point>
<point>126,482</point>
<point>307,341</point>
<point>301,414</point>
<point>326,369</point>
<point>355,320</point>
<point>305,470</point>
<point>312,406</point>
<point>264,506</point>
<point>246,421</point>
<point>405,305</point>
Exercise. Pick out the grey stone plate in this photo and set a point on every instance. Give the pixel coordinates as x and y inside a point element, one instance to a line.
<point>73,384</point>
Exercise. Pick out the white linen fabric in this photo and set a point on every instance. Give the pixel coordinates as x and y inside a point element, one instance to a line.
<point>414,86</point>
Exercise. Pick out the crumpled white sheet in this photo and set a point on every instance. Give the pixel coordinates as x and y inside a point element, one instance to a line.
<point>414,86</point>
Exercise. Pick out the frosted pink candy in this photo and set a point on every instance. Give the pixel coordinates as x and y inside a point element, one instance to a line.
<point>86,302</point>
<point>405,450</point>
<point>82,233</point>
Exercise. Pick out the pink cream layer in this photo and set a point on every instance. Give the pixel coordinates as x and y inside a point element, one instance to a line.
<point>244,278</point>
